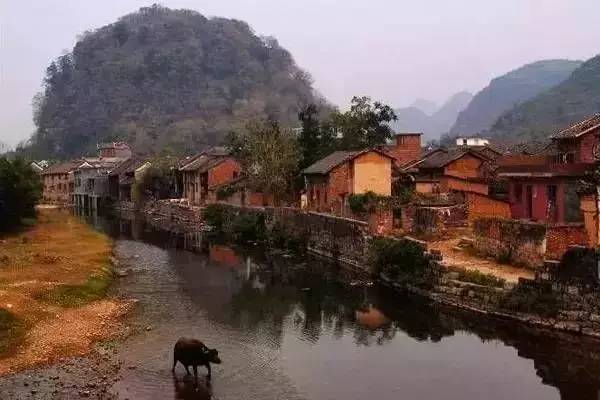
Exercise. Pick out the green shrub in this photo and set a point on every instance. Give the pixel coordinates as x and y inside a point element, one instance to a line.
<point>367,202</point>
<point>479,278</point>
<point>248,227</point>
<point>20,189</point>
<point>397,258</point>
<point>225,192</point>
<point>214,215</point>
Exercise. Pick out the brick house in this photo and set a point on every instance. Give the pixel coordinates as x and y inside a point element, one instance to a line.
<point>58,182</point>
<point>114,150</point>
<point>456,169</point>
<point>543,186</point>
<point>330,181</point>
<point>205,172</point>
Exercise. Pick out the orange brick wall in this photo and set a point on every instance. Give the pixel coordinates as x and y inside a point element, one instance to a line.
<point>448,183</point>
<point>223,172</point>
<point>484,206</point>
<point>560,237</point>
<point>465,167</point>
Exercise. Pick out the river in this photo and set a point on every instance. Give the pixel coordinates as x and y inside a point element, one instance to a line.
<point>300,328</point>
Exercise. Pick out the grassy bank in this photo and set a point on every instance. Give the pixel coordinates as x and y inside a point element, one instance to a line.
<point>52,274</point>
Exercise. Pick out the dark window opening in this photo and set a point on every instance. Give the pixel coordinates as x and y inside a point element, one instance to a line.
<point>518,192</point>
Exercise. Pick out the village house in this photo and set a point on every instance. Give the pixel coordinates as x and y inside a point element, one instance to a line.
<point>543,186</point>
<point>331,180</point>
<point>405,149</point>
<point>476,141</point>
<point>457,169</point>
<point>203,173</point>
<point>58,182</point>
<point>122,178</point>
<point>91,186</point>
<point>237,192</point>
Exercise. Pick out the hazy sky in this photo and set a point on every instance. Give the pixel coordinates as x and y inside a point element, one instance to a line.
<point>392,50</point>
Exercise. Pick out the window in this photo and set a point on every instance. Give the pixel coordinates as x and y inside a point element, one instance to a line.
<point>518,192</point>
<point>235,174</point>
<point>464,142</point>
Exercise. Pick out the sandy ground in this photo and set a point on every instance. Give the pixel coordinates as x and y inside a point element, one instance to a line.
<point>58,250</point>
<point>456,258</point>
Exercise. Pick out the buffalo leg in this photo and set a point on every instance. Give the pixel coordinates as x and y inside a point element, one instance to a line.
<point>174,364</point>
<point>187,369</point>
<point>208,368</point>
<point>195,371</point>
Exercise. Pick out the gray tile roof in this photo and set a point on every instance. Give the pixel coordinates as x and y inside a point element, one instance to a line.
<point>326,164</point>
<point>579,128</point>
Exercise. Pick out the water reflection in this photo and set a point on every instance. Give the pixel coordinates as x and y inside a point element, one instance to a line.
<point>296,328</point>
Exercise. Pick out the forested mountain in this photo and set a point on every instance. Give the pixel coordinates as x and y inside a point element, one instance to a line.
<point>415,119</point>
<point>575,99</point>
<point>508,90</point>
<point>161,78</point>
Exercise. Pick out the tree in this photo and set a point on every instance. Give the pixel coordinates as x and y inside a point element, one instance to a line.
<point>316,140</point>
<point>269,156</point>
<point>365,124</point>
<point>20,189</point>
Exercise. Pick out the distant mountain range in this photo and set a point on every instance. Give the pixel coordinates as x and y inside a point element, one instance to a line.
<point>570,101</point>
<point>509,90</point>
<point>423,116</point>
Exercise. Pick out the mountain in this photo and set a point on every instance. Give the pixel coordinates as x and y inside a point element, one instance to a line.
<point>510,89</point>
<point>413,119</point>
<point>162,78</point>
<point>427,106</point>
<point>575,99</point>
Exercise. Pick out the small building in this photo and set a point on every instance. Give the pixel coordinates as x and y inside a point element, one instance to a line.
<point>457,169</point>
<point>122,178</point>
<point>331,180</point>
<point>205,172</point>
<point>472,141</point>
<point>543,186</point>
<point>114,150</point>
<point>58,182</point>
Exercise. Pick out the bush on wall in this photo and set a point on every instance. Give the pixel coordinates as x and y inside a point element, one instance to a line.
<point>397,258</point>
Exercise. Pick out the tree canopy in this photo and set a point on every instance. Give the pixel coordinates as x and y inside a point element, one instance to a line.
<point>161,78</point>
<point>20,188</point>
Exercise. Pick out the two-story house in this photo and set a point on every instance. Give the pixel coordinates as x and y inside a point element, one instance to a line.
<point>58,182</point>
<point>543,186</point>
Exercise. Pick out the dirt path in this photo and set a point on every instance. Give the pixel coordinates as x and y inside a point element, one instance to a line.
<point>53,281</point>
<point>456,258</point>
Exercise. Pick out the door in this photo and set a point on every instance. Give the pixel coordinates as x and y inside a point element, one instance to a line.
<point>529,199</point>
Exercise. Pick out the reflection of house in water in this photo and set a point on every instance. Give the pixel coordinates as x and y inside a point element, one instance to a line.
<point>224,255</point>
<point>371,317</point>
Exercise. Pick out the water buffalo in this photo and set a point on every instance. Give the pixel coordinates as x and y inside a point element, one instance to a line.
<point>193,352</point>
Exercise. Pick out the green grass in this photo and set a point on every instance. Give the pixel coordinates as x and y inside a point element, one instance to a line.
<point>12,330</point>
<point>93,289</point>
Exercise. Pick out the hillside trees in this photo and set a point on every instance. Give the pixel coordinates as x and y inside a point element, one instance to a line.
<point>161,78</point>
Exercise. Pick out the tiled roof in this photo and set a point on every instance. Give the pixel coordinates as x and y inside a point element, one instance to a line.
<point>62,168</point>
<point>545,170</point>
<point>440,159</point>
<point>579,128</point>
<point>128,166</point>
<point>326,164</point>
<point>113,145</point>
<point>531,147</point>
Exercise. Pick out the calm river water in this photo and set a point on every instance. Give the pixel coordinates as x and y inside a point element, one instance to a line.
<point>289,328</point>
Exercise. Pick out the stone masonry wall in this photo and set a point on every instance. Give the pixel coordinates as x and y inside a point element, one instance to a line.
<point>560,237</point>
<point>508,240</point>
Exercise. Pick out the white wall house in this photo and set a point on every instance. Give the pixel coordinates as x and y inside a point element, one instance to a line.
<point>472,141</point>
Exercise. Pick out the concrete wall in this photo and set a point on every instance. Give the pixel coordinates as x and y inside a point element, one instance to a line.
<point>372,173</point>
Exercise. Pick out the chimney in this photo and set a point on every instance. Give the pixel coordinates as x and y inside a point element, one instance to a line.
<point>407,148</point>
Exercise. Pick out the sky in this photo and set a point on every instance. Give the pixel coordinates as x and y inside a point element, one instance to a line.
<point>392,50</point>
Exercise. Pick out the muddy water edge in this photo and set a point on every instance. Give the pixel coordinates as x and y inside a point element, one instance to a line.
<point>290,327</point>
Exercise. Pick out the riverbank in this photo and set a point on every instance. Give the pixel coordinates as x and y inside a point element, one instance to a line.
<point>55,276</point>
